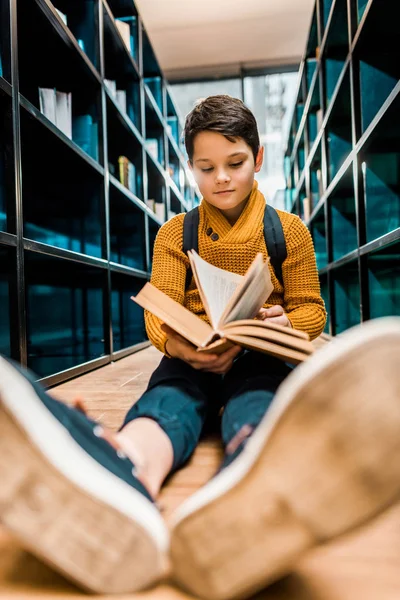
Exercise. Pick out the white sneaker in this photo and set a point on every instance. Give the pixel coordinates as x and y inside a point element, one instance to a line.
<point>69,496</point>
<point>325,459</point>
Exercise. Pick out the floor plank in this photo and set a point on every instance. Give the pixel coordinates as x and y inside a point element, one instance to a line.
<point>361,566</point>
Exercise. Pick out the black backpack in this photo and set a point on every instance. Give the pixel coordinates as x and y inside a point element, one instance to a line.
<point>273,235</point>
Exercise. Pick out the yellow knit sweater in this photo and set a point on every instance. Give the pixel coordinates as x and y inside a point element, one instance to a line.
<point>234,250</point>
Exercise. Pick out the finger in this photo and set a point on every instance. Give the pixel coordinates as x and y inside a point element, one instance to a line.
<point>262,313</point>
<point>203,358</point>
<point>283,320</point>
<point>274,311</point>
<point>231,353</point>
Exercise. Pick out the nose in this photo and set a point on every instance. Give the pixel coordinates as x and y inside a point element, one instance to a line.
<point>222,176</point>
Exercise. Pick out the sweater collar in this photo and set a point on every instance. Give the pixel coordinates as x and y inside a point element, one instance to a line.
<point>247,225</point>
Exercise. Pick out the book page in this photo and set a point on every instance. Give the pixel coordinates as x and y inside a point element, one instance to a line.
<point>179,318</point>
<point>253,292</point>
<point>216,286</point>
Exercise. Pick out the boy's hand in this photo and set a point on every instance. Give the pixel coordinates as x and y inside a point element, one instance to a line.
<point>275,314</point>
<point>178,347</point>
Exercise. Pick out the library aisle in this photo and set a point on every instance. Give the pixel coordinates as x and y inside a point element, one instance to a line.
<point>364,565</point>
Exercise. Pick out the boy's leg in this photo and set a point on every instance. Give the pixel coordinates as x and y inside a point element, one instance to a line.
<point>249,390</point>
<point>324,459</point>
<point>162,429</point>
<point>71,497</point>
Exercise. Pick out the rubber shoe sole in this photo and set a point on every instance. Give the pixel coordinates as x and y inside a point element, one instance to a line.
<point>65,507</point>
<point>325,459</point>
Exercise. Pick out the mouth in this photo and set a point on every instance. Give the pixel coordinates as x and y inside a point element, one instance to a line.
<point>224,192</point>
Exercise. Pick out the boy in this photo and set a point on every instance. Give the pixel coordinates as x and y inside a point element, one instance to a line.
<point>292,476</point>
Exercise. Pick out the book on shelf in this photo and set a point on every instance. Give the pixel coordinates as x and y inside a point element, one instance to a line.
<point>152,147</point>
<point>112,86</point>
<point>231,303</point>
<point>47,103</point>
<point>150,202</point>
<point>125,32</point>
<point>306,209</point>
<point>159,209</point>
<point>64,113</point>
<point>120,98</point>
<point>62,16</point>
<point>127,174</point>
<point>85,134</point>
<point>57,107</point>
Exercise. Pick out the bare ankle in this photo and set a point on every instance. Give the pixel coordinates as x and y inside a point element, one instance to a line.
<point>150,450</point>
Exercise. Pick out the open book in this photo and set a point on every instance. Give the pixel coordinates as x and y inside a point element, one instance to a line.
<point>231,302</point>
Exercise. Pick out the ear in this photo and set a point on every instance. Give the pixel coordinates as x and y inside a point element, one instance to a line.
<point>259,159</point>
<point>190,165</point>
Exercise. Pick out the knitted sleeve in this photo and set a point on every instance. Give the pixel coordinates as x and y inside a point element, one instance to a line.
<point>302,300</point>
<point>168,274</point>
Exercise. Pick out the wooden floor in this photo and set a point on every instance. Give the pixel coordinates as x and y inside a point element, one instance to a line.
<point>363,566</point>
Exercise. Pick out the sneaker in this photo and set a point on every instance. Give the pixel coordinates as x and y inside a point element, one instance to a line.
<point>70,497</point>
<point>325,459</point>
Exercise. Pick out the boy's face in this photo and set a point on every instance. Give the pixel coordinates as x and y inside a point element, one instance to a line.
<point>224,170</point>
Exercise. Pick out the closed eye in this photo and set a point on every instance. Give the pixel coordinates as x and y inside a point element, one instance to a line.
<point>235,165</point>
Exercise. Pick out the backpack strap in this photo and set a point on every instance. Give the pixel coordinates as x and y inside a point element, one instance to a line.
<point>190,237</point>
<point>274,240</point>
<point>273,235</point>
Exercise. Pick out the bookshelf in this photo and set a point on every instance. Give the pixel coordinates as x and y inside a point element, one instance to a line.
<point>342,162</point>
<point>91,165</point>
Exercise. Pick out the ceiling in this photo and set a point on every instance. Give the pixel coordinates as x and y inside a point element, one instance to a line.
<point>201,38</point>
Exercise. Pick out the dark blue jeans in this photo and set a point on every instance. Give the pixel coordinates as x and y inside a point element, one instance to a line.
<point>182,400</point>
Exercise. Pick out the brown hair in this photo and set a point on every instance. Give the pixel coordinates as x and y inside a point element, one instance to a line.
<point>222,114</point>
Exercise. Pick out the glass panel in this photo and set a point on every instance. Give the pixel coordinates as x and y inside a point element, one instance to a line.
<point>304,205</point>
<point>325,296</point>
<point>336,48</point>
<point>316,183</point>
<point>376,85</point>
<point>156,192</point>
<point>127,231</point>
<point>186,95</point>
<point>311,65</point>
<point>174,123</point>
<point>64,91</point>
<point>347,297</point>
<point>6,160</point>
<point>65,313</point>
<point>175,205</point>
<point>384,281</point>
<point>127,316</point>
<point>382,191</point>
<point>339,133</point>
<point>151,68</point>
<point>333,69</point>
<point>153,230</point>
<point>154,84</point>
<point>80,19</point>
<point>154,141</point>
<point>318,232</point>
<point>327,5</point>
<point>62,194</point>
<point>377,51</point>
<point>121,79</point>
<point>362,5</point>
<point>7,264</point>
<point>312,43</point>
<point>125,156</point>
<point>5,47</point>
<point>300,156</point>
<point>343,216</point>
<point>175,170</point>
